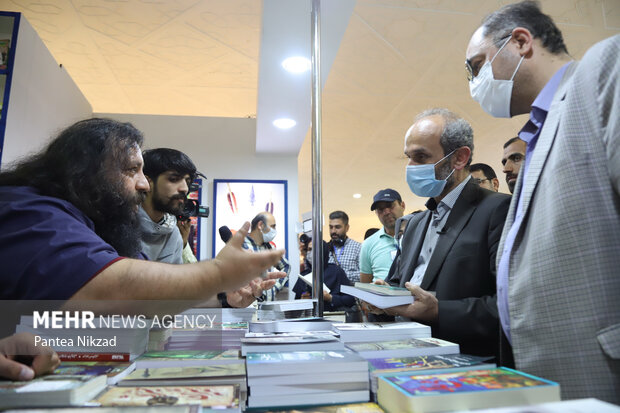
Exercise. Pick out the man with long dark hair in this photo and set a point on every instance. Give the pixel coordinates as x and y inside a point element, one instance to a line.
<point>69,227</point>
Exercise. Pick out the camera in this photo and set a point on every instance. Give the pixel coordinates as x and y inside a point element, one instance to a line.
<point>305,239</point>
<point>192,208</point>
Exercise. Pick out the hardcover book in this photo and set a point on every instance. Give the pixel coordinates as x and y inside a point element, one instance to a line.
<point>472,389</point>
<point>376,299</point>
<point>404,348</point>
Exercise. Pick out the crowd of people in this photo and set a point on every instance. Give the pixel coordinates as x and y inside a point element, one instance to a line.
<point>531,279</point>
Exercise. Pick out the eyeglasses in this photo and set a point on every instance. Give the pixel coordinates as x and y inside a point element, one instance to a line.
<point>471,74</point>
<point>478,181</point>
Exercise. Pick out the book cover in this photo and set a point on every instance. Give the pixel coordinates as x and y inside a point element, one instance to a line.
<point>421,363</point>
<point>221,397</point>
<point>471,389</point>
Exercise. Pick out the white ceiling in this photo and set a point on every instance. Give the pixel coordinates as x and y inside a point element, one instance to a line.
<point>201,58</point>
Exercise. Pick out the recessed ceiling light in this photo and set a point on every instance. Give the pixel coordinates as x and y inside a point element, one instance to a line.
<point>357,196</point>
<point>284,123</point>
<point>296,64</point>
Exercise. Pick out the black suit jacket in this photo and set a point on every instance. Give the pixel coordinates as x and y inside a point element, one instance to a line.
<point>461,270</point>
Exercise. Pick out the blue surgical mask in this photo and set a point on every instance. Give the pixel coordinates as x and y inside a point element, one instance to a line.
<point>422,181</point>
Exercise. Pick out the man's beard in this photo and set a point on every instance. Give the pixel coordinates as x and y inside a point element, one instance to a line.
<point>117,222</point>
<point>338,240</point>
<point>443,172</point>
<point>171,207</point>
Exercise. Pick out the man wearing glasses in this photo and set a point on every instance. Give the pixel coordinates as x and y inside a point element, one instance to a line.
<point>558,278</point>
<point>483,175</point>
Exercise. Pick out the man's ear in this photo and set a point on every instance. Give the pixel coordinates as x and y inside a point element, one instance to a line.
<point>461,157</point>
<point>524,39</point>
<point>495,183</point>
<point>151,184</point>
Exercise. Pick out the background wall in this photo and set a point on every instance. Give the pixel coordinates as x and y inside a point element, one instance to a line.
<point>221,148</point>
<point>43,99</point>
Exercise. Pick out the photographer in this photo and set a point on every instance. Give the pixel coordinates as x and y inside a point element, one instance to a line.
<point>169,173</point>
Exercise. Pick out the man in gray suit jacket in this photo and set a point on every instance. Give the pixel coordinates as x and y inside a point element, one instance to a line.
<point>559,271</point>
<point>450,249</point>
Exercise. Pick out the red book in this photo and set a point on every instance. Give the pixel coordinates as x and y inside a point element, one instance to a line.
<point>81,356</point>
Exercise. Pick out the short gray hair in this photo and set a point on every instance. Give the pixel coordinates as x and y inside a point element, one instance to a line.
<point>457,132</point>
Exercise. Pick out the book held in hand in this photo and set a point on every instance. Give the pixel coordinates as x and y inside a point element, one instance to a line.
<point>388,297</point>
<point>472,389</point>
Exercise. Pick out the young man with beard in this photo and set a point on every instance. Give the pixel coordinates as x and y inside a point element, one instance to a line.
<point>557,280</point>
<point>169,173</point>
<point>447,256</point>
<point>514,154</point>
<point>69,229</point>
<point>343,251</point>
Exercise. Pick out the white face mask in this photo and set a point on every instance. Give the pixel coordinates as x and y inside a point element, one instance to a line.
<point>270,235</point>
<point>492,94</point>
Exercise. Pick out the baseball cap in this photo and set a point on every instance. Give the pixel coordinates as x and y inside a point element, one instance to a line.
<point>385,195</point>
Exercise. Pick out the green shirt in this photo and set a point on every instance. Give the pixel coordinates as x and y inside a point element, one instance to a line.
<point>378,252</point>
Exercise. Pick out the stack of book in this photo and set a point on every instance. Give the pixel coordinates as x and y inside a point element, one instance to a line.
<point>285,309</point>
<point>412,347</point>
<point>360,332</point>
<point>423,365</point>
<point>222,336</point>
<point>462,390</point>
<point>296,341</point>
<point>379,295</point>
<point>114,343</point>
<point>306,378</point>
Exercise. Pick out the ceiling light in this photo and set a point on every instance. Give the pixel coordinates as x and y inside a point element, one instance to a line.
<point>296,64</point>
<point>284,123</point>
<point>357,196</point>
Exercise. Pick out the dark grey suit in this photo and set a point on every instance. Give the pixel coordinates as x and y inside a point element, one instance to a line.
<point>461,270</point>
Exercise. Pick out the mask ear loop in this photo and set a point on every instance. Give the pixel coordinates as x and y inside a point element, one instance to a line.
<point>517,69</point>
